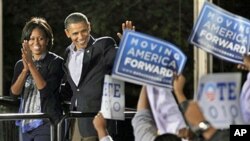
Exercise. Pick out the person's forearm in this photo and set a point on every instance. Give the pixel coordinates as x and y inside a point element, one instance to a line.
<point>209,133</point>
<point>102,133</point>
<point>195,117</point>
<point>143,100</point>
<point>17,87</point>
<point>144,127</point>
<point>180,97</point>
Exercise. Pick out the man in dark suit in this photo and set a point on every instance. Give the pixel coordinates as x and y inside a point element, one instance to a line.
<point>87,61</point>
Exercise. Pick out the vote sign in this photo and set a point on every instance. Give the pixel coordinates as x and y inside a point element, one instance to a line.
<point>113,99</point>
<point>218,97</point>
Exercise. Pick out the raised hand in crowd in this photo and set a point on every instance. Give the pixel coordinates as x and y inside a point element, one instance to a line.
<point>100,125</point>
<point>194,116</point>
<point>246,63</point>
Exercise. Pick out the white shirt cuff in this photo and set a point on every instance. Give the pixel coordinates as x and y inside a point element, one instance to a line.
<point>106,138</point>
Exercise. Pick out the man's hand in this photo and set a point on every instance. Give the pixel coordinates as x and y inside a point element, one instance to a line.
<point>127,25</point>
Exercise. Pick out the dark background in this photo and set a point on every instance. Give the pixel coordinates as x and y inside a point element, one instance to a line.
<point>170,20</point>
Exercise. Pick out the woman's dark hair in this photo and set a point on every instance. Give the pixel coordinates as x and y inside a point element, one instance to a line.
<point>167,137</point>
<point>42,24</point>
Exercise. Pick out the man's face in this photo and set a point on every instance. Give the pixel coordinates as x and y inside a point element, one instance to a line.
<point>79,34</point>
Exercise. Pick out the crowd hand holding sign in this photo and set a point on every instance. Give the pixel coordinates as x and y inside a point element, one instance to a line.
<point>100,125</point>
<point>143,123</point>
<point>246,63</point>
<point>194,115</point>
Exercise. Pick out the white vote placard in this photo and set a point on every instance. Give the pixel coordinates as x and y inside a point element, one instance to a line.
<point>219,98</point>
<point>113,99</point>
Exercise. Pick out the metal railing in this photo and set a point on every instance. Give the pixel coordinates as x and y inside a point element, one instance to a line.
<point>18,116</point>
<point>77,114</point>
<point>129,113</point>
<point>71,115</point>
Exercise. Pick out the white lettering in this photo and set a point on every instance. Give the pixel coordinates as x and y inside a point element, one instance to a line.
<point>149,56</point>
<point>230,24</point>
<point>226,33</point>
<point>162,71</point>
<point>223,42</point>
<point>240,132</point>
<point>150,46</point>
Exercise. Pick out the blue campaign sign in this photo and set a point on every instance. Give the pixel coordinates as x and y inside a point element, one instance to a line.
<point>143,59</point>
<point>221,33</point>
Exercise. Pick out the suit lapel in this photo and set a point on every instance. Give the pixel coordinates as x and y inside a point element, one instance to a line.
<point>65,58</point>
<point>65,68</point>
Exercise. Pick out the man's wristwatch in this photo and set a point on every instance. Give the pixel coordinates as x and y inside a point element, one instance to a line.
<point>202,127</point>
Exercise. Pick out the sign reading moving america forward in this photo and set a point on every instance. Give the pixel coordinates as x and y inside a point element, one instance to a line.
<point>221,33</point>
<point>143,59</point>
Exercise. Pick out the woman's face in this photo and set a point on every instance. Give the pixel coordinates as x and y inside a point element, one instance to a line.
<point>38,42</point>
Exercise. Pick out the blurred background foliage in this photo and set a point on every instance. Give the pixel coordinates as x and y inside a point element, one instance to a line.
<point>170,20</point>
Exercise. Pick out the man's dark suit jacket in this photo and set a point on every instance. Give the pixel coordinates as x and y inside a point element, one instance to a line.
<point>98,60</point>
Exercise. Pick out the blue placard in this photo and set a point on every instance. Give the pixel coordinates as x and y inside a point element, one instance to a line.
<point>143,59</point>
<point>221,33</point>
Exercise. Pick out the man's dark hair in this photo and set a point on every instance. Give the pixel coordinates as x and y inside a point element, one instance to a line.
<point>75,18</point>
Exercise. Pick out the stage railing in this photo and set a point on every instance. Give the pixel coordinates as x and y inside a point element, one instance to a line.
<point>18,116</point>
<point>76,114</point>
<point>70,115</point>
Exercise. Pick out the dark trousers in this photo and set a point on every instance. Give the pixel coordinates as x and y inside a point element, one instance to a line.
<point>76,136</point>
<point>42,133</point>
